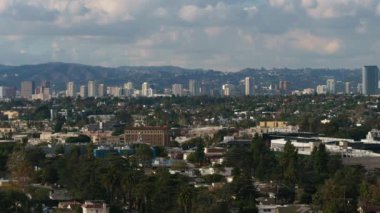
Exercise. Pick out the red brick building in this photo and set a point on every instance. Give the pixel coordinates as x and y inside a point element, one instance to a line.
<point>157,136</point>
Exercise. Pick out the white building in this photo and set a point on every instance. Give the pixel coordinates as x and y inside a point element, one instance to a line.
<point>177,90</point>
<point>330,86</point>
<point>321,89</point>
<point>91,89</point>
<point>249,86</point>
<point>95,207</point>
<point>70,89</point>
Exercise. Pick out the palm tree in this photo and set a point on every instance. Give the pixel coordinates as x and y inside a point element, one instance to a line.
<point>185,199</point>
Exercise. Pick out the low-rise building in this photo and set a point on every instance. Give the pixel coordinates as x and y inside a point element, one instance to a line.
<point>95,207</point>
<point>157,136</point>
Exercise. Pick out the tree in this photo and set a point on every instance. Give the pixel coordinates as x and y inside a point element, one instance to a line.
<point>185,199</point>
<point>144,154</point>
<point>289,163</point>
<point>20,169</point>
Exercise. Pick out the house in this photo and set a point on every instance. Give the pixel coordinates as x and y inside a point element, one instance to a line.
<point>95,207</point>
<point>369,209</point>
<point>68,206</point>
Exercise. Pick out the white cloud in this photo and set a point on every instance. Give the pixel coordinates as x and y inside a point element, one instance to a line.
<point>334,8</point>
<point>189,13</point>
<point>305,41</point>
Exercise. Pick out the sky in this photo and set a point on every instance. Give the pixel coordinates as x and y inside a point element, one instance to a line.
<point>224,35</point>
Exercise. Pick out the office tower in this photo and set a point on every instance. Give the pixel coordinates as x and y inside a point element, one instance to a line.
<point>70,89</point>
<point>83,91</point>
<point>144,89</point>
<point>128,85</point>
<point>27,88</point>
<point>330,86</point>
<point>249,86</point>
<point>283,85</point>
<point>193,88</point>
<point>102,90</point>
<point>228,89</point>
<point>347,88</point>
<point>7,92</point>
<point>91,89</point>
<point>321,89</point>
<point>116,91</point>
<point>340,87</point>
<point>370,78</point>
<point>205,88</point>
<point>177,90</point>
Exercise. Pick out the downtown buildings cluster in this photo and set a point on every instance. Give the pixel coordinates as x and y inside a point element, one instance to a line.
<point>248,86</point>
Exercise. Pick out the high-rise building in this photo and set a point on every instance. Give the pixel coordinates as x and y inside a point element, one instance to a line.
<point>370,78</point>
<point>321,89</point>
<point>283,85</point>
<point>83,91</point>
<point>128,85</point>
<point>347,87</point>
<point>91,89</point>
<point>116,91</point>
<point>193,88</point>
<point>70,89</point>
<point>330,86</point>
<point>7,92</point>
<point>177,90</point>
<point>228,90</point>
<point>144,89</point>
<point>27,88</point>
<point>249,86</point>
<point>102,90</point>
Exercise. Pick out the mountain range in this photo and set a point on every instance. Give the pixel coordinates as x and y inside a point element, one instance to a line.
<point>164,76</point>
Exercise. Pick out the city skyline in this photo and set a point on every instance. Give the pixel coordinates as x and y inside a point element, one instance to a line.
<point>221,35</point>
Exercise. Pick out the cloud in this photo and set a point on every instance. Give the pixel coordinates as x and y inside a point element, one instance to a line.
<point>334,9</point>
<point>189,13</point>
<point>304,41</point>
<point>220,34</point>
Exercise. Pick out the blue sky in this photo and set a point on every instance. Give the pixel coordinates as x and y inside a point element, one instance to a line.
<point>225,35</point>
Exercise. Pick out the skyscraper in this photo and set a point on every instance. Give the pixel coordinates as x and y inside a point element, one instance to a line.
<point>330,86</point>
<point>193,88</point>
<point>144,89</point>
<point>249,86</point>
<point>70,89</point>
<point>83,91</point>
<point>27,88</point>
<point>177,90</point>
<point>347,87</point>
<point>102,90</point>
<point>228,89</point>
<point>91,89</point>
<point>370,79</point>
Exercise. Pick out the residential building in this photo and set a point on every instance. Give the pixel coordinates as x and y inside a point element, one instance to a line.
<point>128,85</point>
<point>370,79</point>
<point>283,85</point>
<point>347,88</point>
<point>249,86</point>
<point>83,91</point>
<point>193,88</point>
<point>321,89</point>
<point>144,89</point>
<point>330,86</point>
<point>102,90</point>
<point>177,90</point>
<point>91,89</point>
<point>70,89</point>
<point>228,90</point>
